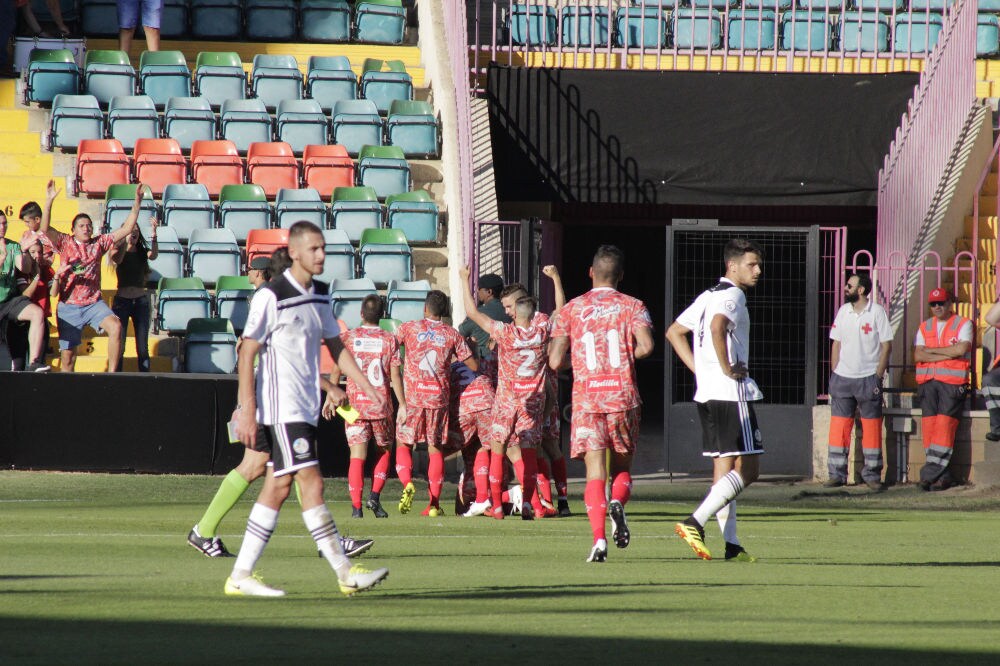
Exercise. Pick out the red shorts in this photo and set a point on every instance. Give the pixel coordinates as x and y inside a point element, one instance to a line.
<point>424,425</point>
<point>462,428</point>
<point>596,432</point>
<point>518,422</point>
<point>363,431</point>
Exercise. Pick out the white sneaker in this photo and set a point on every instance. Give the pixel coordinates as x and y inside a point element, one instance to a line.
<point>516,499</point>
<point>477,509</point>
<point>251,586</point>
<point>362,579</point>
<point>599,553</point>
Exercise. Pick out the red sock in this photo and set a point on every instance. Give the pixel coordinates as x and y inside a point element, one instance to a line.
<point>529,463</point>
<point>404,464</point>
<point>356,481</point>
<point>435,476</point>
<point>496,478</point>
<point>621,487</point>
<point>381,470</point>
<point>482,474</point>
<point>559,475</point>
<point>597,507</point>
<point>544,487</point>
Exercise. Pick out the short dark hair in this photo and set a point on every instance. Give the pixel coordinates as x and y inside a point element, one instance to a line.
<point>77,218</point>
<point>513,288</point>
<point>609,263</point>
<point>864,281</point>
<point>437,303</point>
<point>737,247</point>
<point>526,306</point>
<point>303,227</point>
<point>372,309</point>
<point>30,209</point>
<point>280,262</point>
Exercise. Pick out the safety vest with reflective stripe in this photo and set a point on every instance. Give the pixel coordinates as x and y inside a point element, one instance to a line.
<point>951,371</point>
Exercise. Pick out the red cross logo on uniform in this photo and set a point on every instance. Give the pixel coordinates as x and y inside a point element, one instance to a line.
<point>866,329</point>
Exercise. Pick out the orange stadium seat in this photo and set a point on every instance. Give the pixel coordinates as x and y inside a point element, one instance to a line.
<point>100,163</point>
<point>327,167</point>
<point>216,163</point>
<point>272,166</point>
<point>158,163</point>
<point>263,242</point>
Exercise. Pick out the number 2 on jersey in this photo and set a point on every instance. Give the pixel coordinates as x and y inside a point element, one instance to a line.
<point>590,349</point>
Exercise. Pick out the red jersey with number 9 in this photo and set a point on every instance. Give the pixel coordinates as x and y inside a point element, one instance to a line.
<point>376,352</point>
<point>601,325</point>
<point>431,346</point>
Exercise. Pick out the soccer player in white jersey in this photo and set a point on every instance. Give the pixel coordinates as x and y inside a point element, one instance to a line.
<point>278,409</point>
<point>720,324</point>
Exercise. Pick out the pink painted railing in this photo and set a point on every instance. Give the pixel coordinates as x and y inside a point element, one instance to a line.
<point>918,157</point>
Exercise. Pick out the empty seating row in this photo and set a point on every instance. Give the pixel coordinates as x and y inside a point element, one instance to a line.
<point>372,21</point>
<point>757,27</point>
<point>411,126</point>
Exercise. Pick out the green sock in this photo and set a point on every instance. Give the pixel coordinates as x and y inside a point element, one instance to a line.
<point>230,492</point>
<point>298,492</point>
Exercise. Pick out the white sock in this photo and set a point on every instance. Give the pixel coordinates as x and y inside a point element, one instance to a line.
<point>260,527</point>
<point>727,523</point>
<point>719,495</point>
<point>320,524</point>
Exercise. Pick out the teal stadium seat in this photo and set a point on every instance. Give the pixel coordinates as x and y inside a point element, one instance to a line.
<point>74,118</point>
<point>51,72</point>
<point>275,78</point>
<point>384,255</point>
<point>169,261</point>
<point>644,27</point>
<point>210,346</point>
<point>384,169</point>
<point>415,214</point>
<point>752,29</point>
<point>188,119</point>
<point>878,5</point>
<point>178,301</point>
<point>174,19</point>
<point>118,202</point>
<point>533,24</point>
<point>709,4</point>
<point>346,297</point>
<point>219,76</point>
<point>782,5</point>
<point>867,32</point>
<point>216,19</point>
<point>232,299</point>
<point>934,5</point>
<point>384,81</point>
<point>339,262</point>
<point>412,126</point>
<point>108,74</point>
<point>243,208</point>
<point>806,30</point>
<point>330,80</point>
<point>987,35</point>
<point>585,26</point>
<point>405,299</point>
<point>292,205</point>
<point>132,117</point>
<point>379,21</point>
<point>325,20</point>
<point>989,5</point>
<point>164,74</point>
<point>822,5</point>
<point>99,18</point>
<point>355,209</point>
<point>212,253</point>
<point>697,28</point>
<point>187,207</point>
<point>916,32</point>
<point>244,121</point>
<point>356,123</point>
<point>271,20</point>
<point>300,123</point>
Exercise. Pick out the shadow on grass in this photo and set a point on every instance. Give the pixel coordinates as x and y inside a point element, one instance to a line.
<point>34,641</point>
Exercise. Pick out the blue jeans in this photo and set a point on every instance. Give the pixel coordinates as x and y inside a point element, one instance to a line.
<point>138,310</point>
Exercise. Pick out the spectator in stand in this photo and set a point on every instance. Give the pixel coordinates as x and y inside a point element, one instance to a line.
<point>80,301</point>
<point>31,215</point>
<point>280,261</point>
<point>131,301</point>
<point>128,19</point>
<point>259,271</point>
<point>488,295</point>
<point>15,307</point>
<point>34,284</point>
<point>6,29</point>
<point>32,28</point>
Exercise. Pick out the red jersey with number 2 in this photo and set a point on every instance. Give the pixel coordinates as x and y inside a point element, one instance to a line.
<point>431,346</point>
<point>522,358</point>
<point>376,352</point>
<point>601,325</point>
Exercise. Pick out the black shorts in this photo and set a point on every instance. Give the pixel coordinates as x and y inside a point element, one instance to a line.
<point>729,429</point>
<point>9,312</point>
<point>292,446</point>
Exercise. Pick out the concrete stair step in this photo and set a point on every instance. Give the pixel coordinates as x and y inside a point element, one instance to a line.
<point>988,225</point>
<point>14,120</point>
<point>986,473</point>
<point>97,363</point>
<point>20,142</point>
<point>988,201</point>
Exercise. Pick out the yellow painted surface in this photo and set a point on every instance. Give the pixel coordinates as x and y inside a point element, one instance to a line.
<point>20,142</point>
<point>13,120</point>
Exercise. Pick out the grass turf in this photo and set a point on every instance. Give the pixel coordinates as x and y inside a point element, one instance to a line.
<point>95,569</point>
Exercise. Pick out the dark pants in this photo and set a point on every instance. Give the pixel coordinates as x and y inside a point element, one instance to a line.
<point>991,391</point>
<point>138,310</point>
<point>941,407</point>
<point>7,18</point>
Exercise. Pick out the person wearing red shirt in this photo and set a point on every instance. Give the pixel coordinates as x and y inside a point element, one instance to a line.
<point>470,419</point>
<point>34,285</point>
<point>431,346</point>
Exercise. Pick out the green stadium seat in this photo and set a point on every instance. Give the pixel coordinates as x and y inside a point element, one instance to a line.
<point>383,81</point>
<point>178,301</point>
<point>107,74</point>
<point>232,299</point>
<point>412,126</point>
<point>219,76</point>
<point>384,255</point>
<point>413,213</point>
<point>330,80</point>
<point>118,202</point>
<point>243,208</point>
<point>385,169</point>
<point>164,74</point>
<point>50,72</point>
<point>355,209</point>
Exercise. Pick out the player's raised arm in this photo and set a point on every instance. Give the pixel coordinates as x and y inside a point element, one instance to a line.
<point>51,192</point>
<point>552,273</point>
<point>132,220</point>
<point>471,310</point>
<point>677,336</point>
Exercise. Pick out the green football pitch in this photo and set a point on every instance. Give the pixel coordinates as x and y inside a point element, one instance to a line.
<point>95,569</point>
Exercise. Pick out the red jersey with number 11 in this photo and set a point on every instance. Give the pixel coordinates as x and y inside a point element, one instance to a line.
<point>601,326</point>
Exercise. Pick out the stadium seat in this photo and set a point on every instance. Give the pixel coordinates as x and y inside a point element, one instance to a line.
<point>188,119</point>
<point>405,299</point>
<point>823,5</point>
<point>385,255</point>
<point>164,74</point>
<point>179,300</point>
<point>644,27</point>
<point>186,208</point>
<point>339,263</point>
<point>174,20</point>
<point>118,202</point>
<point>585,26</point>
<point>346,297</point>
<point>159,163</point>
<point>100,163</point>
<point>867,32</point>
<point>210,346</point>
<point>243,208</point>
<point>354,209</point>
<point>215,164</point>
<point>533,24</point>
<point>275,78</point>
<point>987,35</point>
<point>271,20</point>
<point>216,19</point>
<point>413,213</point>
<point>51,72</point>
<point>383,81</point>
<point>325,20</point>
<point>169,261</point>
<point>99,18</point>
<point>326,168</point>
<point>245,121</point>
<point>263,242</point>
<point>292,205</point>
<point>356,123</point>
<point>697,28</point>
<point>301,122</point>
<point>385,169</point>
<point>131,118</point>
<point>390,325</point>
<point>329,80</point>
<point>272,166</point>
<point>232,299</point>
<point>219,76</point>
<point>934,5</point>
<point>753,29</point>
<point>878,5</point>
<point>412,126</point>
<point>916,32</point>
<point>107,74</point>
<point>379,21</point>
<point>708,4</point>
<point>780,5</point>
<point>213,252</point>
<point>74,118</point>
<point>806,30</point>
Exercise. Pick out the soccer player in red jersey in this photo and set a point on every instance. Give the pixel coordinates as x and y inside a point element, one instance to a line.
<point>377,354</point>
<point>469,422</point>
<point>606,331</point>
<point>431,347</point>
